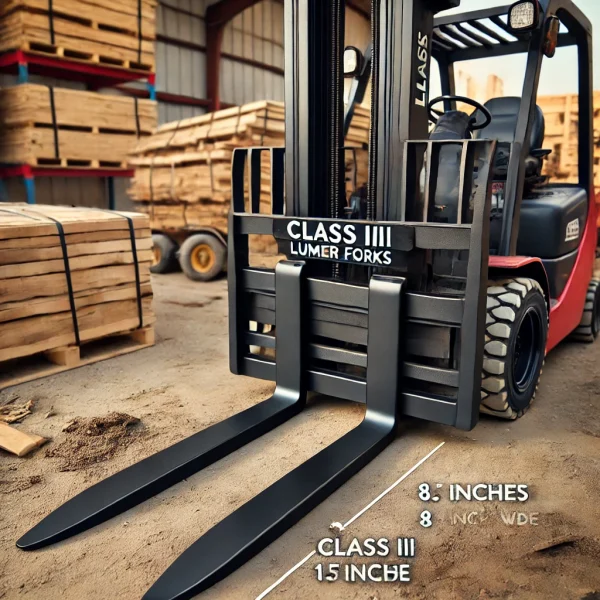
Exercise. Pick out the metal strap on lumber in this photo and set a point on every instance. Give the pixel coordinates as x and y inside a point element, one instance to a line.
<point>136,105</point>
<point>54,122</point>
<point>139,16</point>
<point>51,21</point>
<point>136,265</point>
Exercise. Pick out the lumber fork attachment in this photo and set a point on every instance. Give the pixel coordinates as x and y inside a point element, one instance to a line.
<point>386,308</point>
<point>338,318</point>
<point>328,332</point>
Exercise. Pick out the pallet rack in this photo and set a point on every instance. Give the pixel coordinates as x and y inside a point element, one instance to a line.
<point>96,76</point>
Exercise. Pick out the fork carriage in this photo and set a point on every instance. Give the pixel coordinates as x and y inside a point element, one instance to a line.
<point>442,321</point>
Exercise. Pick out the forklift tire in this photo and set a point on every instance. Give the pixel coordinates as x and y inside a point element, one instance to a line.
<point>164,259</point>
<point>588,329</point>
<point>202,257</point>
<point>515,346</point>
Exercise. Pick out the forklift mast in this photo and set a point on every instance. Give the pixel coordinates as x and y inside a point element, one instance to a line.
<point>401,59</point>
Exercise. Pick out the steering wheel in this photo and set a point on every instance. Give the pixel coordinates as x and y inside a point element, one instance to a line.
<point>473,125</point>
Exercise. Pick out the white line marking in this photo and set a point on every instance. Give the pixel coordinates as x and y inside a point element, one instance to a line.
<point>284,577</point>
<point>394,485</point>
<point>354,518</point>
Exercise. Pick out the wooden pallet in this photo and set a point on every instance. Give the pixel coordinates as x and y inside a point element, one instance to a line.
<point>58,360</point>
<point>75,163</point>
<point>85,57</point>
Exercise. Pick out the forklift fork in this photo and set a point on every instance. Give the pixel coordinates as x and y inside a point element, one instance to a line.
<point>149,477</point>
<point>256,524</point>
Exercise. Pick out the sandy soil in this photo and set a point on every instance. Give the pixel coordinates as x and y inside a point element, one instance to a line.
<point>183,384</point>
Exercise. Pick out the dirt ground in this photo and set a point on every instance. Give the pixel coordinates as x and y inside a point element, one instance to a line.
<point>183,384</point>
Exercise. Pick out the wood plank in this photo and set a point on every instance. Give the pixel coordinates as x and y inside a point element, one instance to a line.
<point>18,442</point>
<point>38,334</point>
<point>11,311</point>
<point>54,284</point>
<point>36,146</point>
<point>17,256</point>
<point>96,13</point>
<point>21,29</point>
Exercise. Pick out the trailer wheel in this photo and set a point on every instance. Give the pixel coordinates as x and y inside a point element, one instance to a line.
<point>515,346</point>
<point>202,257</point>
<point>164,249</point>
<point>589,327</point>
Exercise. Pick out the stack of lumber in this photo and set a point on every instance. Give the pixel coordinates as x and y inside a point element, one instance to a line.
<point>87,129</point>
<point>117,33</point>
<point>562,129</point>
<point>35,303</point>
<point>183,171</point>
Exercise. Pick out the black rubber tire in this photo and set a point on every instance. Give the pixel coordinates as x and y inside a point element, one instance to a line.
<point>515,346</point>
<point>166,248</point>
<point>588,329</point>
<point>212,247</point>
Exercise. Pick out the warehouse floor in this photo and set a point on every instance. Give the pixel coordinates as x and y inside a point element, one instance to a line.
<point>183,384</point>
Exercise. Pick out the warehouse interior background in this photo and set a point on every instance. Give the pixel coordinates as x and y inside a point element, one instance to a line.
<point>222,53</point>
<point>191,79</point>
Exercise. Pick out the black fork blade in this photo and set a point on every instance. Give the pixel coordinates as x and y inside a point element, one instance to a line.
<point>248,530</point>
<point>252,527</point>
<point>145,479</point>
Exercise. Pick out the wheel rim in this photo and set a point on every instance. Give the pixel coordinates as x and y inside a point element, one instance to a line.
<point>203,258</point>
<point>527,350</point>
<point>156,255</point>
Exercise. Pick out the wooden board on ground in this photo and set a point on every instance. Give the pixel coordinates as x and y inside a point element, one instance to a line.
<point>18,442</point>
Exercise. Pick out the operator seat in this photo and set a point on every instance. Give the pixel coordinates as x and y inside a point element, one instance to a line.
<point>505,113</point>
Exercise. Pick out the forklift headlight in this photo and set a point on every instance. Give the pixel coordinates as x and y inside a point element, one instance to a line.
<point>353,59</point>
<point>524,15</point>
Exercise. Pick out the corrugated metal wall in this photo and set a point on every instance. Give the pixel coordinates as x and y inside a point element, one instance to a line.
<point>180,56</point>
<point>253,52</point>
<point>253,58</point>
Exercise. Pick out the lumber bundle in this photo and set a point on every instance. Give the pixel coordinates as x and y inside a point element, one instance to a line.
<point>561,114</point>
<point>45,303</point>
<point>86,129</point>
<point>117,33</point>
<point>183,171</point>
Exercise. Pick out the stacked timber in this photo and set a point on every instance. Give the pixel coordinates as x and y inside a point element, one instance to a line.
<point>183,171</point>
<point>85,129</point>
<point>562,129</point>
<point>118,33</point>
<point>54,302</point>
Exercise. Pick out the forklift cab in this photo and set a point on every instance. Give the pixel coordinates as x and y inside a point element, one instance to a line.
<point>531,215</point>
<point>476,174</point>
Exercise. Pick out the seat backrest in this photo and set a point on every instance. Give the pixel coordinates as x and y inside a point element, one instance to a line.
<point>505,113</point>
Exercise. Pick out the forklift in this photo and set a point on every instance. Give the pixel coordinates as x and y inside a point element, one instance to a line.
<point>434,293</point>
